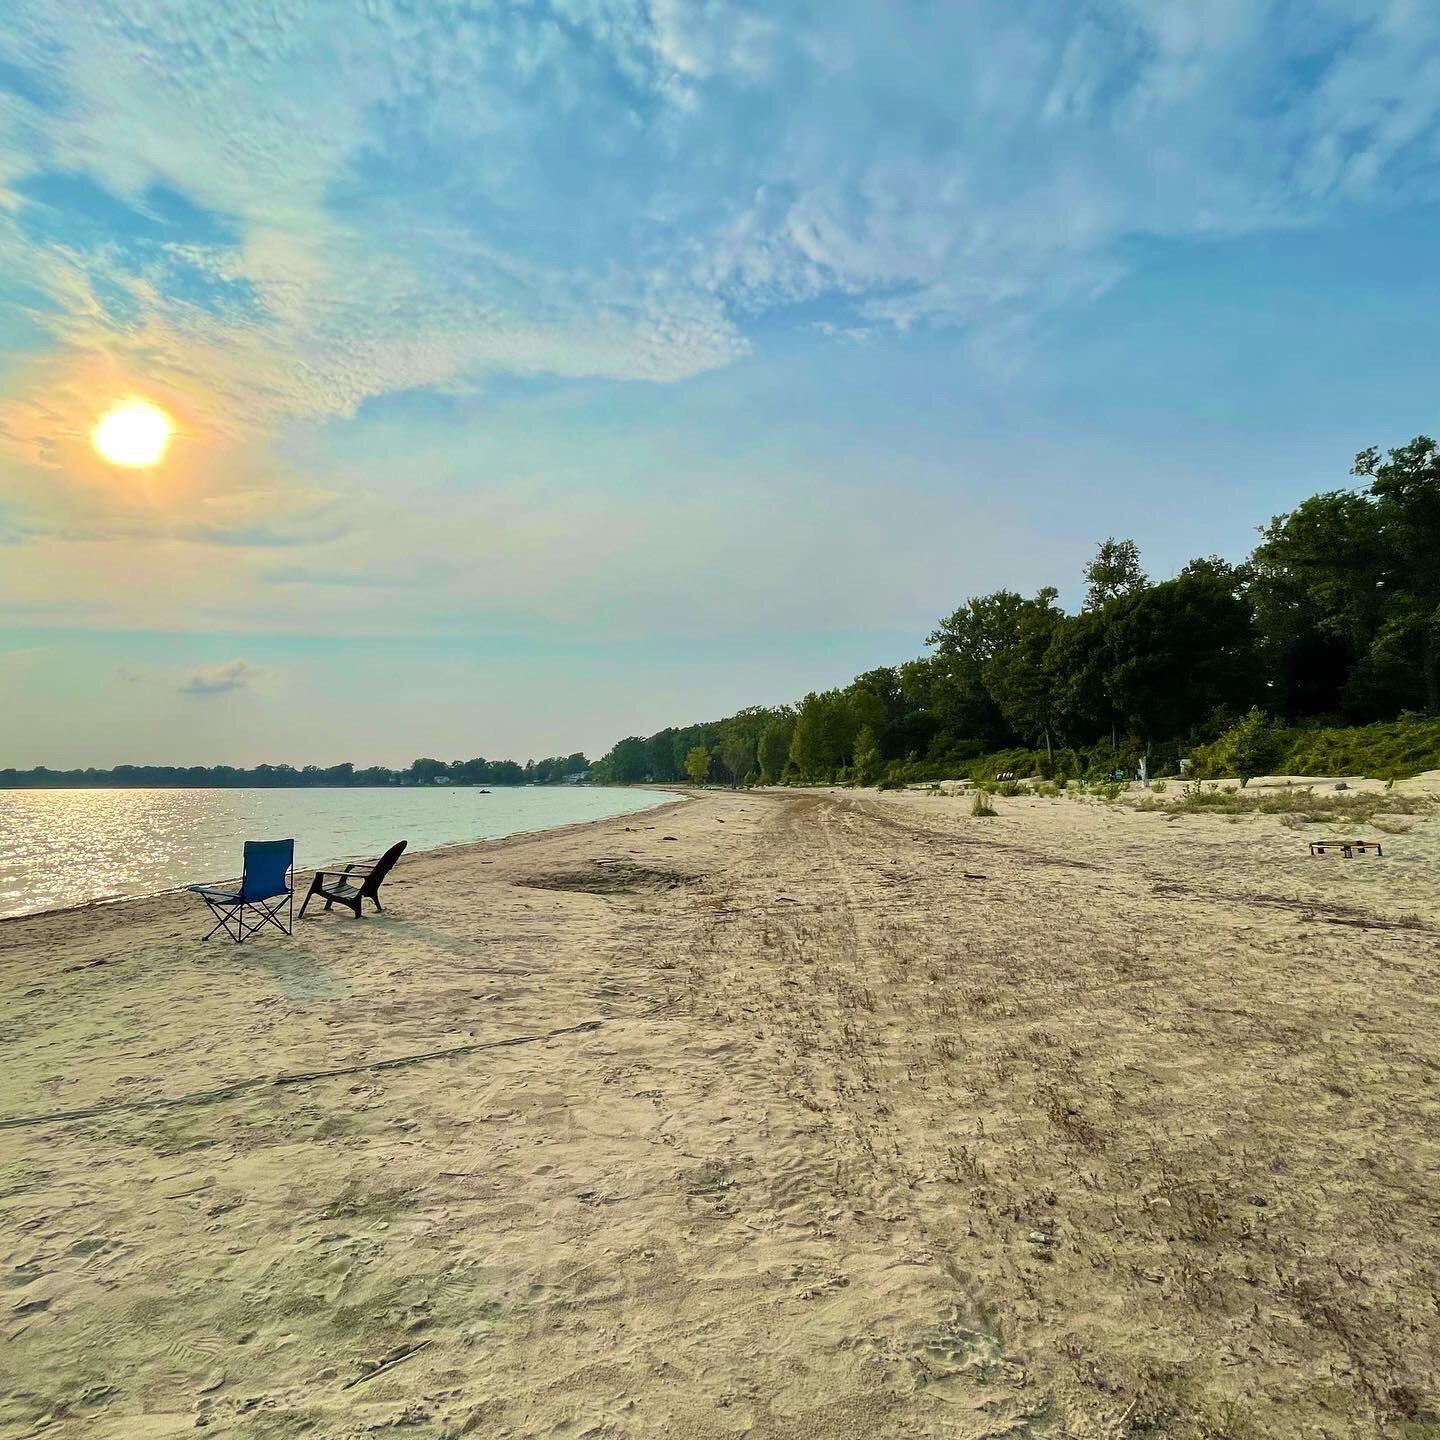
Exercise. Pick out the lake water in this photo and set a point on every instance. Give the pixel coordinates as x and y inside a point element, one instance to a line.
<point>66,847</point>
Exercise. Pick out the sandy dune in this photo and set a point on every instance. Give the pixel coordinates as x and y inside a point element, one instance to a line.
<point>780,1115</point>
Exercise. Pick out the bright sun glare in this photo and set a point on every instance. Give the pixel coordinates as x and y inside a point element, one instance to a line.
<point>134,433</point>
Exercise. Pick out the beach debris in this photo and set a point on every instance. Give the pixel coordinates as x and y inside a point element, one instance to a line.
<point>1374,922</point>
<point>372,1368</point>
<point>91,964</point>
<point>1347,848</point>
<point>1044,1241</point>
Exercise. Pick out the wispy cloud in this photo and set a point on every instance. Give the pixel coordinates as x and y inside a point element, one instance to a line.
<point>614,187</point>
<point>219,679</point>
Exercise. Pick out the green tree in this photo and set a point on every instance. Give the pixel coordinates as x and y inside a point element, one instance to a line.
<point>1249,748</point>
<point>773,751</point>
<point>838,728</point>
<point>627,763</point>
<point>805,738</point>
<point>1077,665</point>
<point>1181,649</point>
<point>662,756</point>
<point>697,764</point>
<point>884,687</point>
<point>1405,489</point>
<point>1114,572</point>
<point>867,756</point>
<point>821,736</point>
<point>1016,674</point>
<point>966,642</point>
<point>739,740</point>
<point>1318,591</point>
<point>914,729</point>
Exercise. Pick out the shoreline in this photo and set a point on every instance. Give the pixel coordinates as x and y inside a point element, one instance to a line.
<point>109,902</point>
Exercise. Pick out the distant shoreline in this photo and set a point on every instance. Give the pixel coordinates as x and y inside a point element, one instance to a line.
<point>356,785</point>
<point>180,869</point>
<point>426,771</point>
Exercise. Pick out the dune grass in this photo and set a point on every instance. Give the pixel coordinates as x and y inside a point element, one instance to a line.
<point>1298,802</point>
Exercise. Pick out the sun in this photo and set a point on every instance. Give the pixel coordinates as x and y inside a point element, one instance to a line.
<point>133,433</point>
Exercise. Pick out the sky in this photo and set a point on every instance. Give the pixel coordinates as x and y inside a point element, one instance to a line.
<point>548,372</point>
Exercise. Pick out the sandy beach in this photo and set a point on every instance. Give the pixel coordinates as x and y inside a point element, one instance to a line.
<point>766,1114</point>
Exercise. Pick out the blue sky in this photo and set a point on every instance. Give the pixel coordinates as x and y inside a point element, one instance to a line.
<point>546,372</point>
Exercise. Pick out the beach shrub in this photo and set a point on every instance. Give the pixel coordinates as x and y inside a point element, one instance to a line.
<point>1248,748</point>
<point>1068,765</point>
<point>1019,763</point>
<point>867,756</point>
<point>981,808</point>
<point>1295,801</point>
<point>1397,750</point>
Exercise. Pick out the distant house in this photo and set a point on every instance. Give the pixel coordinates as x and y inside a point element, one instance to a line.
<point>442,779</point>
<point>581,777</point>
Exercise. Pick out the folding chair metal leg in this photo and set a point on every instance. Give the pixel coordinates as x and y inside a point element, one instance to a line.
<point>228,916</point>
<point>225,916</point>
<point>270,915</point>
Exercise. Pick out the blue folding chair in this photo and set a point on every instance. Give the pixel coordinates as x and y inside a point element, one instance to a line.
<point>265,890</point>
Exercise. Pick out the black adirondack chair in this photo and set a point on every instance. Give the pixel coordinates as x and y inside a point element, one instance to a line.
<point>359,879</point>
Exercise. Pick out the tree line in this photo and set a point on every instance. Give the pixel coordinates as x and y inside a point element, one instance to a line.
<point>1334,618</point>
<point>553,771</point>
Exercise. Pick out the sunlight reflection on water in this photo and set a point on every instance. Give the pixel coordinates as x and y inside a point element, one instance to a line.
<point>66,847</point>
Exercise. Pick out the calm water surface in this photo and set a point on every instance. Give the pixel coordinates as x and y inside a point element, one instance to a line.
<point>65,847</point>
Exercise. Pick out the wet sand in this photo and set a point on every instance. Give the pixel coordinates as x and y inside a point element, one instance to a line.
<point>776,1114</point>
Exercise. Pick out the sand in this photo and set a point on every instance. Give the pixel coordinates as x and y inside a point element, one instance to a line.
<point>775,1115</point>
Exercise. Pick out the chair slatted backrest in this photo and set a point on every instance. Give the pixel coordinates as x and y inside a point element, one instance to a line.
<point>267,869</point>
<point>383,866</point>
